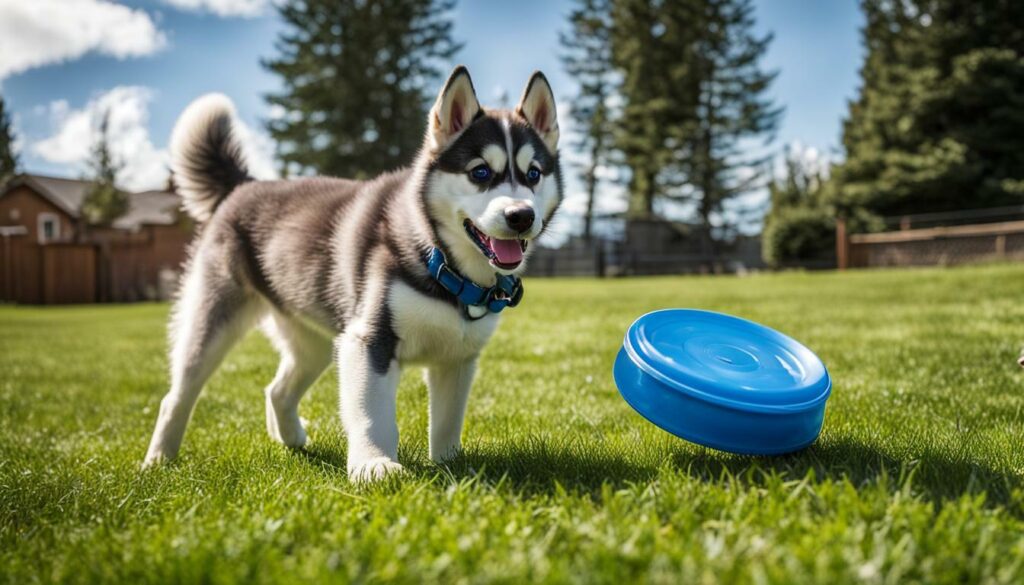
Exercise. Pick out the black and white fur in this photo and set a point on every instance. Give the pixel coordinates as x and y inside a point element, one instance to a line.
<point>334,267</point>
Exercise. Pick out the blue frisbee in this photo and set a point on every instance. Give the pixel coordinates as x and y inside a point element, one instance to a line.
<point>723,382</point>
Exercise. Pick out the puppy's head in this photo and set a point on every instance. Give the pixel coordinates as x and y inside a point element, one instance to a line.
<point>493,179</point>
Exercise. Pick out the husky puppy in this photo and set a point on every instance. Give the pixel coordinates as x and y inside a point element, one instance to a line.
<point>411,267</point>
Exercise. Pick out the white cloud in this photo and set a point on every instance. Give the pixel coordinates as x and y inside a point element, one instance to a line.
<point>276,112</point>
<point>34,33</point>
<point>18,144</point>
<point>610,196</point>
<point>145,165</point>
<point>225,8</point>
<point>259,151</point>
<point>811,159</point>
<point>75,132</point>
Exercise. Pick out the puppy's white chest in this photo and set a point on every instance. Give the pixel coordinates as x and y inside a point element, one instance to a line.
<point>430,330</point>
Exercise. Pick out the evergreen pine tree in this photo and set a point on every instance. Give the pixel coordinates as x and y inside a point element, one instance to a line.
<point>357,78</point>
<point>649,45</point>
<point>104,202</point>
<point>938,123</point>
<point>8,158</point>
<point>695,101</point>
<point>588,59</point>
<point>733,113</point>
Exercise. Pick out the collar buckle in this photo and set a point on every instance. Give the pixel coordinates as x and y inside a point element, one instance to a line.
<point>506,292</point>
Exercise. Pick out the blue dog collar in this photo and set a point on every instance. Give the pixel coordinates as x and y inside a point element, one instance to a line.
<point>507,291</point>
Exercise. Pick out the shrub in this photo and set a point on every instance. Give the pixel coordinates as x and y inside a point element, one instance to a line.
<point>798,233</point>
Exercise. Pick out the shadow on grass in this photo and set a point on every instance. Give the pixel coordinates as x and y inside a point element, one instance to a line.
<point>536,465</point>
<point>935,475</point>
<point>328,457</point>
<point>530,465</point>
<point>541,466</point>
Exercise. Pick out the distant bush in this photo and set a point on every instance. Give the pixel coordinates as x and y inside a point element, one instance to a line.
<point>794,234</point>
<point>800,225</point>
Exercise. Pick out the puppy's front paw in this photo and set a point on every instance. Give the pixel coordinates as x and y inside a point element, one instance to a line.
<point>292,434</point>
<point>442,455</point>
<point>374,469</point>
<point>285,427</point>
<point>154,459</point>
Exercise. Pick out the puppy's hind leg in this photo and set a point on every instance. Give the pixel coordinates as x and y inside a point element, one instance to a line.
<point>305,354</point>
<point>213,313</point>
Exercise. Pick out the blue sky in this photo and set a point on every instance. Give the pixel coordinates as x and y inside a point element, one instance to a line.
<point>149,58</point>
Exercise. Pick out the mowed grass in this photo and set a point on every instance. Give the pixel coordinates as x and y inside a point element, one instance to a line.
<point>918,475</point>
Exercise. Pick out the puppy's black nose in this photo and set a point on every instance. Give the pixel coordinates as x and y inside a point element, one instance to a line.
<point>519,217</point>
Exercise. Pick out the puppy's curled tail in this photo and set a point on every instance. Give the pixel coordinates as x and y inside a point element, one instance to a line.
<point>207,159</point>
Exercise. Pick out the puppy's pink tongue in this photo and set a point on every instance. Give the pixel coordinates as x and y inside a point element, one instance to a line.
<point>507,251</point>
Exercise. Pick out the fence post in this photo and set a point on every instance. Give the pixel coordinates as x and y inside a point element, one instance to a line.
<point>1001,246</point>
<point>842,245</point>
<point>8,271</point>
<point>99,274</point>
<point>45,261</point>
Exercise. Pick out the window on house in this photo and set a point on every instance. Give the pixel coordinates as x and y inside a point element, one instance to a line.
<point>49,227</point>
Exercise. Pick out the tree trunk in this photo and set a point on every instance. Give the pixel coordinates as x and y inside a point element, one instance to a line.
<point>709,188</point>
<point>643,190</point>
<point>588,218</point>
<point>650,192</point>
<point>707,242</point>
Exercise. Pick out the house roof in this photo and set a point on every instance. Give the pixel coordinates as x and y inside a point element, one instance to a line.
<point>150,208</point>
<point>145,208</point>
<point>67,194</point>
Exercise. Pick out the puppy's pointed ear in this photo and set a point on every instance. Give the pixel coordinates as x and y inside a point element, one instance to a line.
<point>454,110</point>
<point>538,107</point>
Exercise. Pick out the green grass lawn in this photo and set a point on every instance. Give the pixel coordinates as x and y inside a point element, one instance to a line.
<point>918,475</point>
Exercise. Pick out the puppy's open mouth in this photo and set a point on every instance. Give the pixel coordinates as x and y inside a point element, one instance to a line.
<point>504,254</point>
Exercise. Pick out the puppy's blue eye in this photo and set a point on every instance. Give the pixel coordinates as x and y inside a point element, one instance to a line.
<point>480,173</point>
<point>533,175</point>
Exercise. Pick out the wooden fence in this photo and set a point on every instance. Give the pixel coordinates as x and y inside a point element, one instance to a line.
<point>947,245</point>
<point>615,259</point>
<point>66,273</point>
<point>48,274</point>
